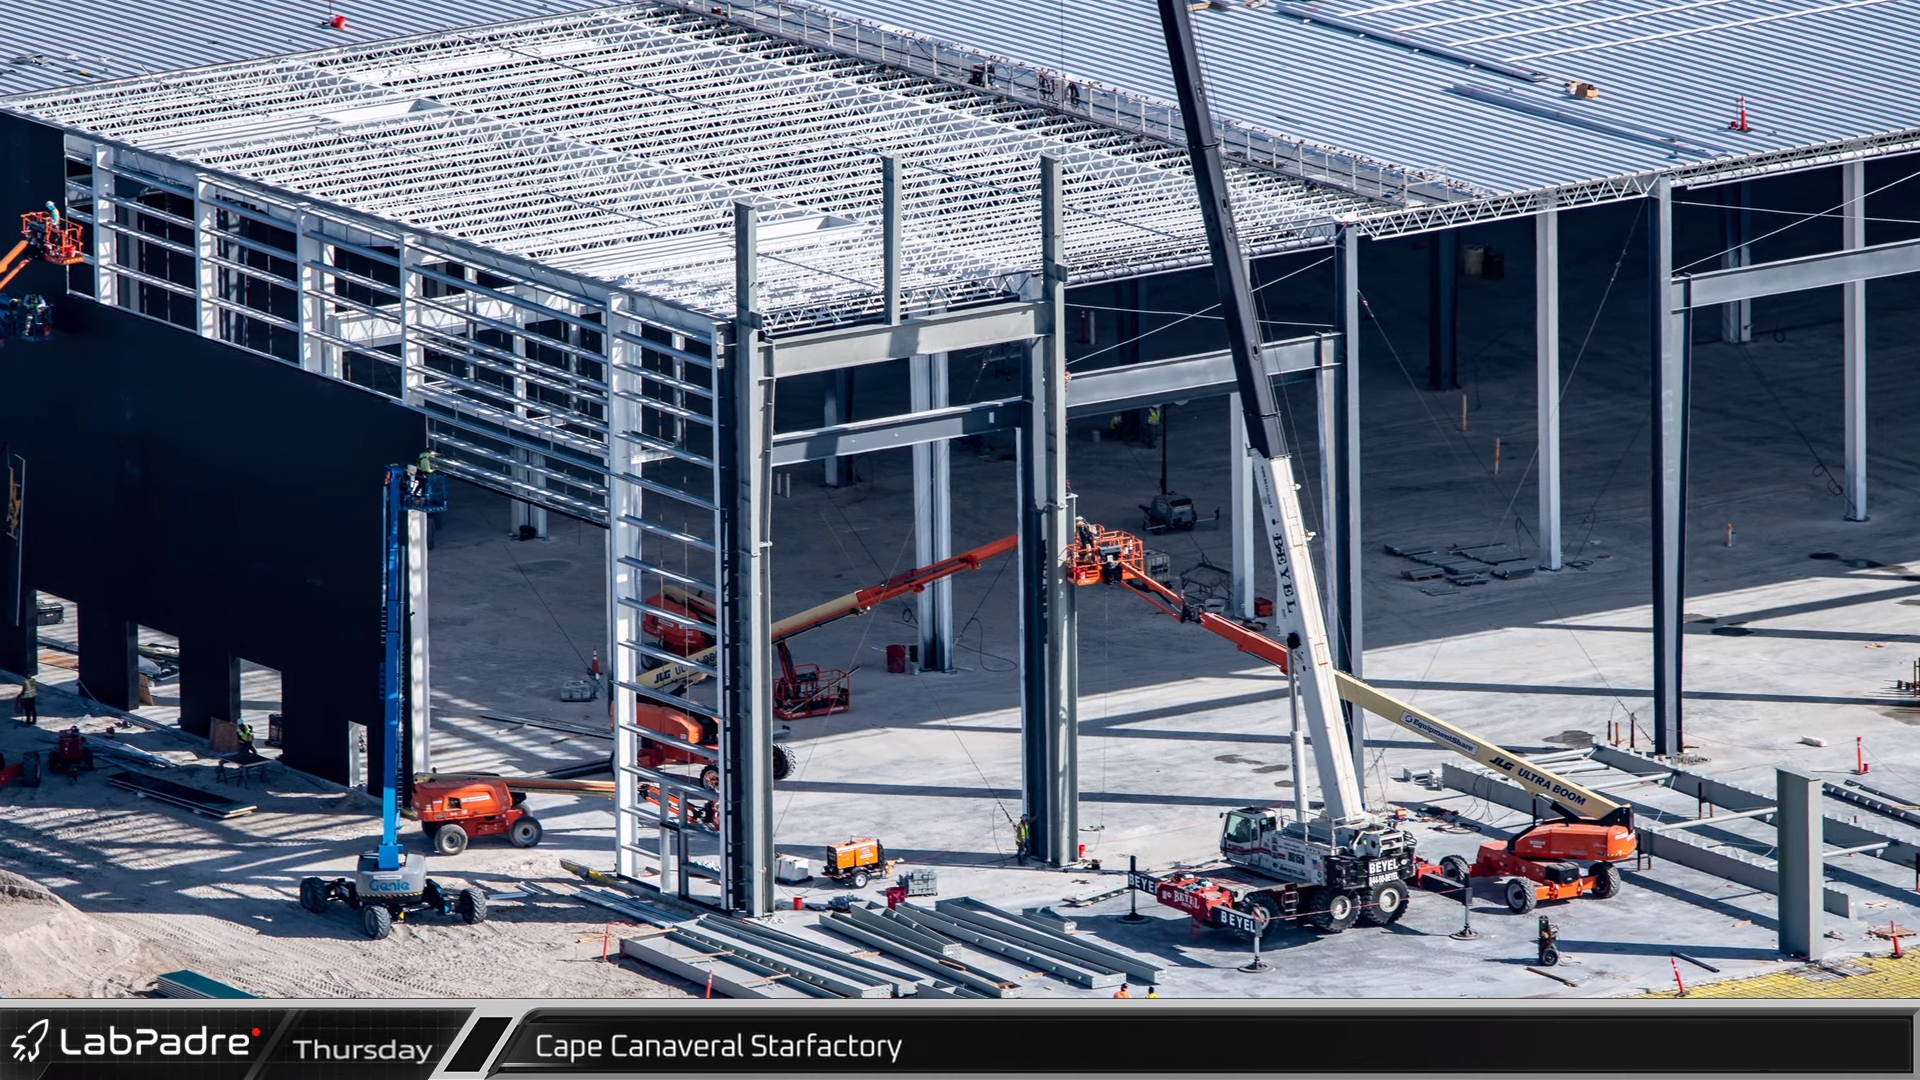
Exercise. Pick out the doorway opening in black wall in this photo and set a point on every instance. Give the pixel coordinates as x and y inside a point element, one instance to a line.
<point>59,637</point>
<point>159,660</point>
<point>260,705</point>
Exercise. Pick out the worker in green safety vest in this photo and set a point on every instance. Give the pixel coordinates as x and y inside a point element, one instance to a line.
<point>1022,838</point>
<point>30,702</point>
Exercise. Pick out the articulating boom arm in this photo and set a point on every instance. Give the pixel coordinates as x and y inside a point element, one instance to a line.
<point>669,677</point>
<point>1106,555</point>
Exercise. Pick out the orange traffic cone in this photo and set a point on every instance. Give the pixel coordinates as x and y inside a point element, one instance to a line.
<point>1894,929</point>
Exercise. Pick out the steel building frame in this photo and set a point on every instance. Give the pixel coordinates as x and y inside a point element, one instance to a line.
<point>587,246</point>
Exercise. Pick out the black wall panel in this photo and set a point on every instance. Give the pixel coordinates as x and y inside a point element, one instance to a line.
<point>223,497</point>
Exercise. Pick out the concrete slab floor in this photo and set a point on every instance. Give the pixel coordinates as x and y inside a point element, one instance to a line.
<point>1176,727</point>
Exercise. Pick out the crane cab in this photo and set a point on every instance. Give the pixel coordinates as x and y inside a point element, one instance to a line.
<point>1244,827</point>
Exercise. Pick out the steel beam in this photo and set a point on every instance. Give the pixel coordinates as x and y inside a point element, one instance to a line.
<point>932,514</point>
<point>1546,340</point>
<point>1240,466</point>
<point>1802,863</point>
<point>1794,275</point>
<point>419,684</point>
<point>530,471</point>
<point>1736,227</point>
<point>1199,375</point>
<point>890,245</point>
<point>895,432</point>
<point>746,736</point>
<point>968,328</point>
<point>1853,350</point>
<point>1048,728</point>
<point>1443,310</point>
<point>1669,352</point>
<point>1107,390</point>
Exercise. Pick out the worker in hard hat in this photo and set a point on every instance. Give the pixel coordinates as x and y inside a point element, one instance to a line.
<point>30,702</point>
<point>419,473</point>
<point>53,215</point>
<point>1022,838</point>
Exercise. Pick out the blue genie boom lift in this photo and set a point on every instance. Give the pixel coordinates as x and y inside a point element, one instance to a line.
<point>389,882</point>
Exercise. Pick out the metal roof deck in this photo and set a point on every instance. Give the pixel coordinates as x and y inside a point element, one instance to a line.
<point>1473,90</point>
<point>614,143</point>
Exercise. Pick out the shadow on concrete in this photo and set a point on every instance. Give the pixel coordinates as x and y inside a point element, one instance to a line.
<point>1657,948</point>
<point>1642,881</point>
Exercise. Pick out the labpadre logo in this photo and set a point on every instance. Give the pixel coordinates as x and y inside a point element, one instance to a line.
<point>137,1042</point>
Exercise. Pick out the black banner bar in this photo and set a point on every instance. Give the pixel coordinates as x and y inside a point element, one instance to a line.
<point>261,1042</point>
<point>1165,1038</point>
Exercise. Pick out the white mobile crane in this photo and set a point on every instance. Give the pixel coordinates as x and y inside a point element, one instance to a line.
<point>1344,864</point>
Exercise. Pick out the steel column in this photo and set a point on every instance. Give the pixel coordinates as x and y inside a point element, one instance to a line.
<point>1340,404</point>
<point>932,515</point>
<point>1048,709</point>
<point>1668,347</point>
<point>890,245</point>
<point>419,685</point>
<point>1736,317</point>
<point>1853,302</point>
<point>207,272</point>
<point>1240,465</point>
<point>746,737</point>
<point>106,283</point>
<point>838,410</point>
<point>1546,337</point>
<point>530,469</point>
<point>1443,310</point>
<point>623,548</point>
<point>1802,863</point>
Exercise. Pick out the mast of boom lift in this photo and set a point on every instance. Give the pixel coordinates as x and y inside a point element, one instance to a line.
<point>1297,604</point>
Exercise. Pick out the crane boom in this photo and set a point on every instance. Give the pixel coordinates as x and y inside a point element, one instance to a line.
<point>1297,607</point>
<point>668,677</point>
<point>1106,555</point>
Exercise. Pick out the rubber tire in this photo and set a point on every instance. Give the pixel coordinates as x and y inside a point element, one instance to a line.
<point>377,921</point>
<point>1549,957</point>
<point>1521,896</point>
<point>710,778</point>
<point>472,906</point>
<point>1456,867</point>
<point>783,763</point>
<point>1606,881</point>
<point>450,840</point>
<point>1332,910</point>
<point>860,879</point>
<point>1386,902</point>
<point>524,833</point>
<point>313,895</point>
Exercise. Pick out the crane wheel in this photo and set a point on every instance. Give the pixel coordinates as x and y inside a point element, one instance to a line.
<point>1457,868</point>
<point>1331,910</point>
<point>1549,956</point>
<point>1606,881</point>
<point>525,833</point>
<point>472,906</point>
<point>313,895</point>
<point>1521,896</point>
<point>1386,902</point>
<point>450,840</point>
<point>783,763</point>
<point>377,921</point>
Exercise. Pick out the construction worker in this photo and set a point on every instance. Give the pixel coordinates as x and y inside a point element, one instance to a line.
<point>1022,838</point>
<point>244,731</point>
<point>30,702</point>
<point>53,215</point>
<point>1153,992</point>
<point>1124,992</point>
<point>420,472</point>
<point>1085,531</point>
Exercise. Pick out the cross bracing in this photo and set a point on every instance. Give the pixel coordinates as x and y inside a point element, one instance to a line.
<point>614,145</point>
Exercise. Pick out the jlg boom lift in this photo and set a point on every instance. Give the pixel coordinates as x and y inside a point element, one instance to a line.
<point>675,617</point>
<point>1345,864</point>
<point>45,235</point>
<point>389,882</point>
